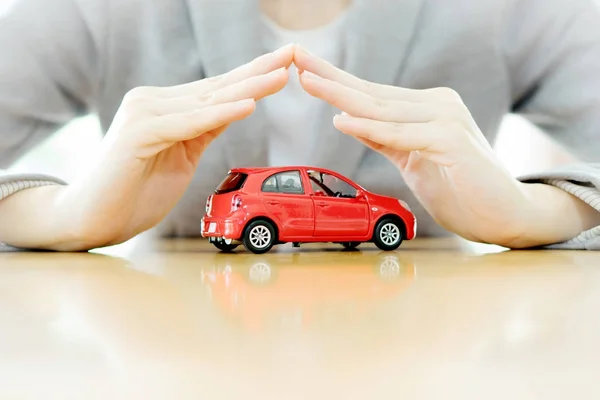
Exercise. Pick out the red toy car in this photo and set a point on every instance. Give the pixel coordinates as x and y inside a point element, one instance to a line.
<point>263,207</point>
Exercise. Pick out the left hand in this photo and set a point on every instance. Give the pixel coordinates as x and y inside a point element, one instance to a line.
<point>443,156</point>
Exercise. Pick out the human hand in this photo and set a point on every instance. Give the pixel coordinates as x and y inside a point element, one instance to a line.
<point>153,146</point>
<point>444,158</point>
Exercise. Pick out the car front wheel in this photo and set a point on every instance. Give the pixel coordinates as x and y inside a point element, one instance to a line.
<point>388,235</point>
<point>259,237</point>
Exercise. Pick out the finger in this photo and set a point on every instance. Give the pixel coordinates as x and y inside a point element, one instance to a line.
<point>306,61</point>
<point>403,137</point>
<point>281,58</point>
<point>360,104</point>
<point>394,155</point>
<point>370,144</point>
<point>198,144</point>
<point>186,126</point>
<point>256,88</point>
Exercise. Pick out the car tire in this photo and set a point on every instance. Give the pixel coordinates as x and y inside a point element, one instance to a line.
<point>259,237</point>
<point>388,234</point>
<point>225,247</point>
<point>350,245</point>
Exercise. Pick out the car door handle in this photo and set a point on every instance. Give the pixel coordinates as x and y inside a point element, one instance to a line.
<point>272,202</point>
<point>323,204</point>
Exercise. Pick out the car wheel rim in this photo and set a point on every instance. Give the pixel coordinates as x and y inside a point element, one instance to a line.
<point>260,236</point>
<point>260,272</point>
<point>390,234</point>
<point>389,268</point>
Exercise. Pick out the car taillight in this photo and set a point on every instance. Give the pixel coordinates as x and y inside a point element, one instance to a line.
<point>208,203</point>
<point>236,203</point>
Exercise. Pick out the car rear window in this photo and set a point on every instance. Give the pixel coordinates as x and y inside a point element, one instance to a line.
<point>231,183</point>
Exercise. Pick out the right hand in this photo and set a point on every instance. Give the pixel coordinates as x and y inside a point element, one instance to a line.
<point>153,147</point>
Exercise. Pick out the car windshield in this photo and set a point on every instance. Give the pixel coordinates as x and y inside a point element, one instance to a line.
<point>231,183</point>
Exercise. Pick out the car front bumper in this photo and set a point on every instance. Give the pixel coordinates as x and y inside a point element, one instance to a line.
<point>221,228</point>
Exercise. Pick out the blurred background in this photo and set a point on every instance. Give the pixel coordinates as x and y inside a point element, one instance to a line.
<point>63,154</point>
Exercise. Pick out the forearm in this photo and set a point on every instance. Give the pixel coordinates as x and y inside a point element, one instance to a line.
<point>551,215</point>
<point>39,218</point>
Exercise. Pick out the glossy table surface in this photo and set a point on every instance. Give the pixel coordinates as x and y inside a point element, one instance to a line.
<point>438,319</point>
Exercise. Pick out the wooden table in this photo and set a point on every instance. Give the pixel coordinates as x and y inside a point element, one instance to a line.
<point>438,319</point>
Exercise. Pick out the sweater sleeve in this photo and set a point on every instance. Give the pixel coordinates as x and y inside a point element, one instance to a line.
<point>48,77</point>
<point>553,54</point>
<point>583,182</point>
<point>49,73</point>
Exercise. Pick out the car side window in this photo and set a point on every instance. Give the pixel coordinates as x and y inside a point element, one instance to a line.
<point>331,185</point>
<point>270,185</point>
<point>288,182</point>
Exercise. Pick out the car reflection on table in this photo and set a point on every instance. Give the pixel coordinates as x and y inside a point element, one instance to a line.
<point>299,289</point>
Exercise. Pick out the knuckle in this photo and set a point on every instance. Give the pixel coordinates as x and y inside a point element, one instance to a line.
<point>381,104</point>
<point>139,92</point>
<point>447,94</point>
<point>368,86</point>
<point>135,103</point>
<point>208,98</point>
<point>214,81</point>
<point>457,129</point>
<point>398,129</point>
<point>399,132</point>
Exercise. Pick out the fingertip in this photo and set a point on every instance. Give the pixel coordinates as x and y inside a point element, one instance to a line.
<point>244,108</point>
<point>246,104</point>
<point>283,75</point>
<point>300,57</point>
<point>311,86</point>
<point>284,49</point>
<point>307,78</point>
<point>302,50</point>
<point>278,76</point>
<point>283,71</point>
<point>336,119</point>
<point>341,118</point>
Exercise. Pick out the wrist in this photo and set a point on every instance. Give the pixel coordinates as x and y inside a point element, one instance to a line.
<point>36,218</point>
<point>549,215</point>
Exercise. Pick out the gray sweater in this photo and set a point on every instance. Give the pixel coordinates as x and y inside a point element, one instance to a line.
<point>540,58</point>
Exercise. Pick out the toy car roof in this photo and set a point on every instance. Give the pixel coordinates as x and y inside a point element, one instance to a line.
<point>254,170</point>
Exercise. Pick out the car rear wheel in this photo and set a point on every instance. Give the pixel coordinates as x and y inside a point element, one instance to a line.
<point>225,247</point>
<point>259,237</point>
<point>388,234</point>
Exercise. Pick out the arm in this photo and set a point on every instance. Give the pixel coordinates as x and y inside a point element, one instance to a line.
<point>431,137</point>
<point>554,59</point>
<point>149,154</point>
<point>48,76</point>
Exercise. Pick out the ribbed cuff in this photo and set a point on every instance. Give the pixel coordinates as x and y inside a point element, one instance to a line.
<point>583,182</point>
<point>11,184</point>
